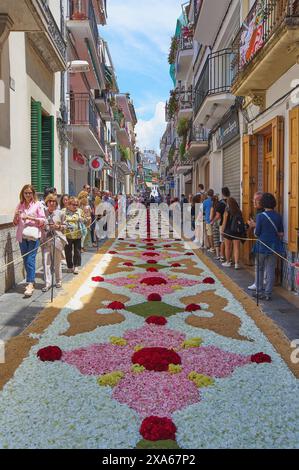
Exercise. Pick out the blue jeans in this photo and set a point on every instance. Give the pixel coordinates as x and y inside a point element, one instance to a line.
<point>29,261</point>
<point>267,265</point>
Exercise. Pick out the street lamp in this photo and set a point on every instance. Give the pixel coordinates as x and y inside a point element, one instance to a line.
<point>78,66</point>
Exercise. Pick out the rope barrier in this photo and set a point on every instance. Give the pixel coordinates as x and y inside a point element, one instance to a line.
<point>293,265</point>
<point>4,266</point>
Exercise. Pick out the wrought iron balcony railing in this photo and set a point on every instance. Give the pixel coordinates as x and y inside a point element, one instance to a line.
<point>53,30</point>
<point>199,134</point>
<point>186,41</point>
<point>262,22</point>
<point>82,111</point>
<point>216,77</point>
<point>83,10</point>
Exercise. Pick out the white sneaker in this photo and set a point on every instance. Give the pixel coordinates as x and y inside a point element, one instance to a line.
<point>76,271</point>
<point>227,264</point>
<point>252,287</point>
<point>237,266</point>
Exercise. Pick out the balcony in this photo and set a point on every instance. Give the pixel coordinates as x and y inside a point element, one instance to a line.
<point>82,23</point>
<point>83,124</point>
<point>208,15</point>
<point>121,131</point>
<point>35,18</point>
<point>212,95</point>
<point>198,142</point>
<point>184,54</point>
<point>102,104</point>
<point>265,42</point>
<point>185,102</point>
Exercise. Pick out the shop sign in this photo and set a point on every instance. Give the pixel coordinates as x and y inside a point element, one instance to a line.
<point>78,158</point>
<point>228,130</point>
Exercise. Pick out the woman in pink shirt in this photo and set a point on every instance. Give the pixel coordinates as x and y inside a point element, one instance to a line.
<point>29,213</point>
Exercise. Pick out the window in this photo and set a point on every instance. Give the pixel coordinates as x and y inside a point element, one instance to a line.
<point>42,148</point>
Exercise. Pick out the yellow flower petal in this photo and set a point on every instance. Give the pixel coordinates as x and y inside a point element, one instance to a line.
<point>191,343</point>
<point>111,379</point>
<point>138,347</point>
<point>200,380</point>
<point>118,341</point>
<point>137,369</point>
<point>174,368</point>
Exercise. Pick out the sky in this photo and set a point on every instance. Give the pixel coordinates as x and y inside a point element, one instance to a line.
<point>138,33</point>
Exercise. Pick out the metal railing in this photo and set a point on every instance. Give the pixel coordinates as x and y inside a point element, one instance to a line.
<point>199,134</point>
<point>261,24</point>
<point>82,111</point>
<point>185,42</point>
<point>83,10</point>
<point>53,30</point>
<point>216,77</point>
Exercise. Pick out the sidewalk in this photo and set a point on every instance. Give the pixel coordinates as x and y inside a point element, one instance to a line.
<point>16,312</point>
<point>284,307</point>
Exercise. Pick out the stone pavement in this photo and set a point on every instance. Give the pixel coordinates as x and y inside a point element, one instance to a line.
<point>284,307</point>
<point>16,312</point>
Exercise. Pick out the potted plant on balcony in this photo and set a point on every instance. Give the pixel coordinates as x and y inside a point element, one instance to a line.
<point>173,106</point>
<point>173,50</point>
<point>78,10</point>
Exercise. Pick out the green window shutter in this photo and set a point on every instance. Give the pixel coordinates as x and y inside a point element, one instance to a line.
<point>36,144</point>
<point>47,166</point>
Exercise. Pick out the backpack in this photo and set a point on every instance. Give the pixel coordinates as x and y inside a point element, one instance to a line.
<point>237,224</point>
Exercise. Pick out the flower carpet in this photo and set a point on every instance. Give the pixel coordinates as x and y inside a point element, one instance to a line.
<point>153,348</point>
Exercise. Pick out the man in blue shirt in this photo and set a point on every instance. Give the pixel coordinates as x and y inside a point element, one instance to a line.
<point>269,230</point>
<point>207,206</point>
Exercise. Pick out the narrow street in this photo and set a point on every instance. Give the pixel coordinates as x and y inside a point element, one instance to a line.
<point>153,346</point>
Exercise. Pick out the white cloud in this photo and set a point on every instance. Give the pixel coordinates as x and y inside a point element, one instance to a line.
<point>149,132</point>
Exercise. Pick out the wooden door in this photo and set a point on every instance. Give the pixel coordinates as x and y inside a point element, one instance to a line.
<point>277,170</point>
<point>249,186</point>
<point>207,176</point>
<point>268,164</point>
<point>293,213</point>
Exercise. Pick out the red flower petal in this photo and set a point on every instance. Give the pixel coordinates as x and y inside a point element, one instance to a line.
<point>189,253</point>
<point>154,428</point>
<point>167,246</point>
<point>98,279</point>
<point>116,306</point>
<point>175,265</point>
<point>50,353</point>
<point>156,359</point>
<point>156,320</point>
<point>112,252</point>
<point>260,358</point>
<point>151,261</point>
<point>150,253</point>
<point>208,280</point>
<point>154,297</point>
<point>192,308</point>
<point>132,245</point>
<point>153,281</point>
<point>152,270</point>
<point>128,263</point>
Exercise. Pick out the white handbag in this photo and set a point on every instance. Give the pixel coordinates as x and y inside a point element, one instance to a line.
<point>31,233</point>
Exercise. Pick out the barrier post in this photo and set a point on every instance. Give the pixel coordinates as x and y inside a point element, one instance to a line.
<point>258,274</point>
<point>53,268</point>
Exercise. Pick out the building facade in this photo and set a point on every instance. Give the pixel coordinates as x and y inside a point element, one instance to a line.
<point>32,57</point>
<point>241,60</point>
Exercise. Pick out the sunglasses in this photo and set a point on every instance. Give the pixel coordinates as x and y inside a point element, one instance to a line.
<point>28,194</point>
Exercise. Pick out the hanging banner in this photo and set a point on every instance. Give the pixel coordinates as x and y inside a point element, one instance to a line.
<point>252,38</point>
